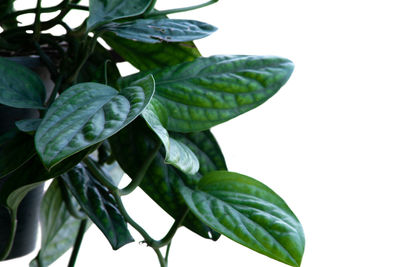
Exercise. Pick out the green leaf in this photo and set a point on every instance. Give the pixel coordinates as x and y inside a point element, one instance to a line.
<point>16,148</point>
<point>30,175</point>
<point>87,114</point>
<point>151,56</point>
<point>206,148</point>
<point>130,147</point>
<point>20,87</point>
<point>176,153</point>
<point>160,30</point>
<point>96,65</point>
<point>99,205</point>
<point>207,91</point>
<point>103,11</point>
<point>59,229</point>
<point>28,125</point>
<point>249,213</point>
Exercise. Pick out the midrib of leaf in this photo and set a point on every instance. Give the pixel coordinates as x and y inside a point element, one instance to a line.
<point>253,237</point>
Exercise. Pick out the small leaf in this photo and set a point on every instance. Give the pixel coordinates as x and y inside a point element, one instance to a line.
<point>20,87</point>
<point>101,11</point>
<point>99,205</point>
<point>16,148</point>
<point>87,114</point>
<point>151,56</point>
<point>249,213</point>
<point>176,153</point>
<point>160,30</point>
<point>207,91</point>
<point>59,229</point>
<point>28,125</point>
<point>206,148</point>
<point>130,147</point>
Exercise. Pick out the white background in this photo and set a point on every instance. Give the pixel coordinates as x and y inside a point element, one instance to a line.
<point>328,142</point>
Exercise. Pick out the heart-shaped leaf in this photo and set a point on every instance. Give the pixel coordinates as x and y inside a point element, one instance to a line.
<point>16,148</point>
<point>176,153</point>
<point>152,56</point>
<point>87,114</point>
<point>58,228</point>
<point>20,87</point>
<point>207,91</point>
<point>99,205</point>
<point>247,212</point>
<point>131,146</point>
<point>102,11</point>
<point>160,30</point>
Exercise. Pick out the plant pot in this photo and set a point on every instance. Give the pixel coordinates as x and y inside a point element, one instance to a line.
<point>28,211</point>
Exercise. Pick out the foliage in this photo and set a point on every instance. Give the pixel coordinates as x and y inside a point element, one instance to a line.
<point>154,125</point>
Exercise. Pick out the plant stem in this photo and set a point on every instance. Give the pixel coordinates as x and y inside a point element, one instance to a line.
<point>78,7</point>
<point>7,249</point>
<point>78,242</point>
<point>167,252</point>
<point>102,177</point>
<point>37,23</point>
<point>178,10</point>
<point>141,173</point>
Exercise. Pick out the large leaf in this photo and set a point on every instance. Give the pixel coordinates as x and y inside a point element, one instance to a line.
<point>151,56</point>
<point>176,152</point>
<point>207,91</point>
<point>249,213</point>
<point>20,87</point>
<point>160,30</point>
<point>103,11</point>
<point>131,146</point>
<point>87,114</point>
<point>99,205</point>
<point>59,229</point>
<point>16,148</point>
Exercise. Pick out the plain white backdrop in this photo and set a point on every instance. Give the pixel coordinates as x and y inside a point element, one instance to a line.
<point>328,142</point>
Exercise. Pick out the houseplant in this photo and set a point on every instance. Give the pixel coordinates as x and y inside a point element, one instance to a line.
<point>154,125</point>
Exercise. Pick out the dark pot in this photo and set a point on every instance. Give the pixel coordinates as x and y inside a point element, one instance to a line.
<point>28,211</point>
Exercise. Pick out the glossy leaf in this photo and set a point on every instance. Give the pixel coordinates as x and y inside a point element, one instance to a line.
<point>206,148</point>
<point>20,87</point>
<point>151,56</point>
<point>207,91</point>
<point>59,229</point>
<point>249,213</point>
<point>103,11</point>
<point>87,114</point>
<point>31,174</point>
<point>99,205</point>
<point>16,148</point>
<point>130,147</point>
<point>160,30</point>
<point>176,153</point>
<point>28,125</point>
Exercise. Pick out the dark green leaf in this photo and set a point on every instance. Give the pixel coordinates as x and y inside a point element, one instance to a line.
<point>87,114</point>
<point>59,229</point>
<point>99,205</point>
<point>95,68</point>
<point>28,125</point>
<point>31,174</point>
<point>160,30</point>
<point>207,91</point>
<point>130,147</point>
<point>20,87</point>
<point>176,153</point>
<point>151,56</point>
<point>16,148</point>
<point>249,213</point>
<point>103,11</point>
